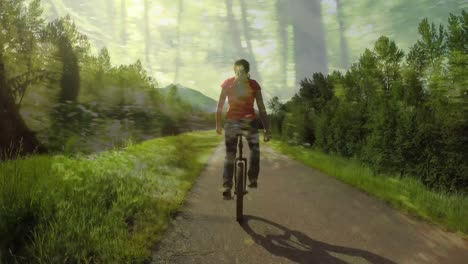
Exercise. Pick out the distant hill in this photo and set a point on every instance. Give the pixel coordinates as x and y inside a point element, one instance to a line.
<point>201,101</point>
<point>194,97</point>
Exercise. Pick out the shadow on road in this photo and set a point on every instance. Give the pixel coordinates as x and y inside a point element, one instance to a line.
<point>298,247</point>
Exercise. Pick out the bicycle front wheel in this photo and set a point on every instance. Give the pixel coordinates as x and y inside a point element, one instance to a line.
<point>240,170</point>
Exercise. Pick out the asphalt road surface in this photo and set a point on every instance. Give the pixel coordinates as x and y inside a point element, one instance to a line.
<point>298,215</point>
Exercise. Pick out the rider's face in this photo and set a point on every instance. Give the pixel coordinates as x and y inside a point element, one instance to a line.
<point>239,70</point>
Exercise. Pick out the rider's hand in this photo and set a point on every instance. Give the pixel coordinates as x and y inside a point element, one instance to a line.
<point>219,130</point>
<point>266,135</point>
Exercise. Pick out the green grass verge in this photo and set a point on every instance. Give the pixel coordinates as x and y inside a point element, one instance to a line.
<point>450,211</point>
<point>109,207</point>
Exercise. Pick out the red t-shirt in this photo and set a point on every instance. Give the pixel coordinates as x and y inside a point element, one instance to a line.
<point>241,98</point>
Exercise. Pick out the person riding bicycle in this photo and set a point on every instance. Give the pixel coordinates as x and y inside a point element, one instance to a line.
<point>241,92</point>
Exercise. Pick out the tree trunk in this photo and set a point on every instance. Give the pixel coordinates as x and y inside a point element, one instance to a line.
<point>16,138</point>
<point>310,53</point>
<point>70,80</point>
<point>123,19</point>
<point>53,10</point>
<point>178,60</point>
<point>281,13</point>
<point>343,42</point>
<point>246,29</point>
<point>234,32</point>
<point>147,34</point>
<point>111,18</point>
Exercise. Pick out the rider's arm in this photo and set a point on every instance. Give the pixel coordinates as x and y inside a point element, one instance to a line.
<point>262,110</point>
<point>219,110</point>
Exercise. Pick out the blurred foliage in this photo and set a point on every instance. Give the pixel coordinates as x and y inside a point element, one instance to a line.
<point>405,115</point>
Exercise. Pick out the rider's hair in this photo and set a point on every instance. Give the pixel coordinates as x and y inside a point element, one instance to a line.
<point>243,63</point>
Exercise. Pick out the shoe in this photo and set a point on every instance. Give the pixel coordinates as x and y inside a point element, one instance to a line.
<point>253,185</point>
<point>227,194</point>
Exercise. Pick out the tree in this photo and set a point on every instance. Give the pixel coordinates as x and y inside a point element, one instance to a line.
<point>123,22</point>
<point>147,31</point>
<point>457,37</point>
<point>363,80</point>
<point>343,41</point>
<point>236,38</point>
<point>316,92</point>
<point>278,114</point>
<point>16,138</point>
<point>70,45</point>
<point>310,53</point>
<point>178,60</point>
<point>110,18</point>
<point>234,30</point>
<point>427,53</point>
<point>389,57</point>
<point>282,15</point>
<point>248,38</point>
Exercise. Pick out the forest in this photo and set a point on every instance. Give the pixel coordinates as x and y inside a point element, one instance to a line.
<point>57,96</point>
<point>399,113</point>
<point>176,40</point>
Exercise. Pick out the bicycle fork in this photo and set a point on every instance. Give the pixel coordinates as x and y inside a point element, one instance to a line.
<point>240,167</point>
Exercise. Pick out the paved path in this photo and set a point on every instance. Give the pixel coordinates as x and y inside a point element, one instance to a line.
<point>298,215</point>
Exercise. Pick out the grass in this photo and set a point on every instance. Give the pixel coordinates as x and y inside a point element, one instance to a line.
<point>450,211</point>
<point>109,207</point>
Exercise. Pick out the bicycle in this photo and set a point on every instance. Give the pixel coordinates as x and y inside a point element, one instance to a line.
<point>240,179</point>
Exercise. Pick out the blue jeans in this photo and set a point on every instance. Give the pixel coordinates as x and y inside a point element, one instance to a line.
<point>231,129</point>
